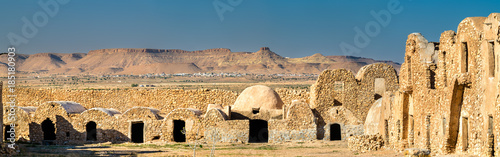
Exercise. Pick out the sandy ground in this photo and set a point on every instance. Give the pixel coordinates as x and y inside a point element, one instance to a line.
<point>289,149</point>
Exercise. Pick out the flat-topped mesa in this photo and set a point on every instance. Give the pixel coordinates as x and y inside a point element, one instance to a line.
<point>142,50</point>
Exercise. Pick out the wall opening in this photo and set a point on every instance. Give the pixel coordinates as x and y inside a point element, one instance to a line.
<point>455,109</point>
<point>408,61</point>
<point>137,132</point>
<point>411,130</point>
<point>258,131</point>
<point>255,110</point>
<point>335,132</point>
<point>49,130</point>
<point>465,133</point>
<point>6,133</point>
<point>491,136</point>
<point>179,131</point>
<point>432,77</point>
<point>428,130</point>
<point>91,131</point>
<point>465,57</point>
<point>379,88</point>
<point>444,69</point>
<point>386,131</point>
<point>491,59</point>
<point>407,118</point>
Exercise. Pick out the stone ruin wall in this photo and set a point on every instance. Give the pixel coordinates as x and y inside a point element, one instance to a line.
<point>299,124</point>
<point>63,123</point>
<point>164,100</point>
<point>22,122</point>
<point>123,100</point>
<point>447,87</point>
<point>338,97</point>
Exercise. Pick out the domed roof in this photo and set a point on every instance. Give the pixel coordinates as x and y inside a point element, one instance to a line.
<point>258,96</point>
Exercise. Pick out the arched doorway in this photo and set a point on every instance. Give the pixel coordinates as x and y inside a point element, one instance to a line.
<point>179,131</point>
<point>258,131</point>
<point>91,131</point>
<point>335,132</point>
<point>49,130</point>
<point>6,134</point>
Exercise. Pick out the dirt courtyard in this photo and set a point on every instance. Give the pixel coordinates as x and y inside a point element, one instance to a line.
<point>291,149</point>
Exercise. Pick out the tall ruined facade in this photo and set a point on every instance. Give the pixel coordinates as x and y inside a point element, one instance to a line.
<point>449,90</point>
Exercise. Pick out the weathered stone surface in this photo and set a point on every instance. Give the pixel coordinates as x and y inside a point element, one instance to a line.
<point>60,114</point>
<point>22,121</point>
<point>299,125</point>
<point>449,90</point>
<point>415,152</point>
<point>338,97</point>
<point>364,143</point>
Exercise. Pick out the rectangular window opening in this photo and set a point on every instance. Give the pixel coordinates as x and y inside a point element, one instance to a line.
<point>491,58</point>
<point>465,57</point>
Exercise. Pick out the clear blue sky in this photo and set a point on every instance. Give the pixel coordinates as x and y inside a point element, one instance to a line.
<point>291,28</point>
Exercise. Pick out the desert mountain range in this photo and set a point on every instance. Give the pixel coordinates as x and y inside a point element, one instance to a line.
<point>169,61</point>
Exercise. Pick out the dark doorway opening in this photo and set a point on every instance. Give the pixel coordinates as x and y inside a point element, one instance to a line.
<point>91,131</point>
<point>258,131</point>
<point>455,109</point>
<point>179,131</point>
<point>49,131</point>
<point>137,132</point>
<point>335,132</point>
<point>6,133</point>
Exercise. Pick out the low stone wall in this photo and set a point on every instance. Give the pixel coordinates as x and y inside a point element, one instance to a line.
<point>164,100</point>
<point>364,143</point>
<point>231,131</point>
<point>277,136</point>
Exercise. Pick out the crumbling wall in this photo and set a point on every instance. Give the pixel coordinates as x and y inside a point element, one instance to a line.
<point>151,118</point>
<point>374,80</point>
<point>339,97</point>
<point>23,116</point>
<point>451,97</point>
<point>164,100</point>
<point>365,143</point>
<point>107,125</point>
<point>230,131</point>
<point>61,118</point>
<point>194,129</point>
<point>289,95</point>
<point>299,125</point>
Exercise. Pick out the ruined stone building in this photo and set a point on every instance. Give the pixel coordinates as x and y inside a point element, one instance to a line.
<point>448,92</point>
<point>443,100</point>
<point>335,110</point>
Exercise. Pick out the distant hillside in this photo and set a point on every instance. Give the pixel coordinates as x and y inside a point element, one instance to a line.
<point>142,61</point>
